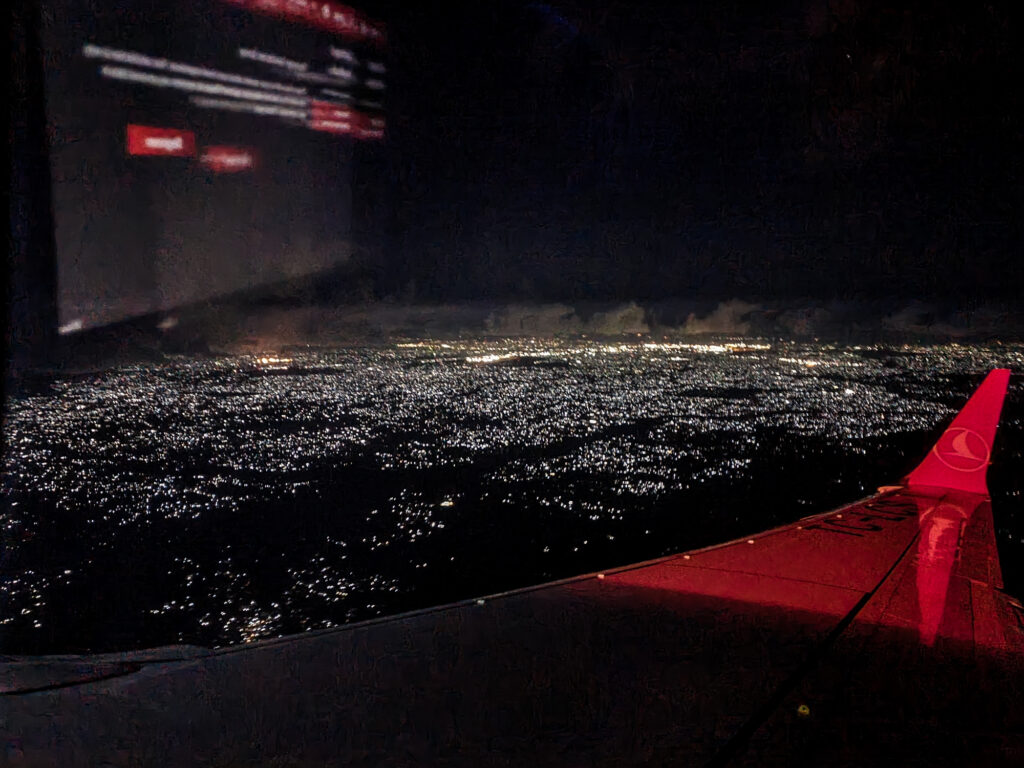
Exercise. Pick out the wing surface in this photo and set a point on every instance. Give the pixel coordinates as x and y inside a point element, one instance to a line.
<point>872,634</point>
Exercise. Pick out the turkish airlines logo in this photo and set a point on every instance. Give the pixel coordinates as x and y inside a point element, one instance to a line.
<point>962,449</point>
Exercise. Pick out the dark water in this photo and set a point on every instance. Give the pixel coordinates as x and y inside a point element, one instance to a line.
<point>216,500</point>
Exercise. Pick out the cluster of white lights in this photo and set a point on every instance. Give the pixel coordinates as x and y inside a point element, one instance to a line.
<point>130,454</point>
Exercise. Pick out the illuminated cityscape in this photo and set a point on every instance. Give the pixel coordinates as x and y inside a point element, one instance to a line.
<point>225,499</point>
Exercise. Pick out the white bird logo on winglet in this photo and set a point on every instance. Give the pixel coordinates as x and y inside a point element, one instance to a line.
<point>962,449</point>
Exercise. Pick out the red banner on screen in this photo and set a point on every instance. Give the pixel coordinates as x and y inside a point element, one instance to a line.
<point>332,126</point>
<point>221,159</point>
<point>170,142</point>
<point>340,118</point>
<point>333,17</point>
<point>329,110</point>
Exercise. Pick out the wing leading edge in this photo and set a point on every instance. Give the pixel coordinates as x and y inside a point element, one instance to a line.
<point>871,634</point>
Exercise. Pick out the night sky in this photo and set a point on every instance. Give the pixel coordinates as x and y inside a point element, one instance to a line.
<point>641,150</point>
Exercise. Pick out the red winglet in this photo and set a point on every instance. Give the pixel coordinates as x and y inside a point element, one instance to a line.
<point>960,458</point>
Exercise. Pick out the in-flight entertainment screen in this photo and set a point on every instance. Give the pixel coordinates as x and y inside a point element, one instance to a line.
<point>202,147</point>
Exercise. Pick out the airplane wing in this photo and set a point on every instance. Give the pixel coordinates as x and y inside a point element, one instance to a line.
<point>877,633</point>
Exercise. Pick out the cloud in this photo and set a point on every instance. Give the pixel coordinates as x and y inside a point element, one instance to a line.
<point>730,318</point>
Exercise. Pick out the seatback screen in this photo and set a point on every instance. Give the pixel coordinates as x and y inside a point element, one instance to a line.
<point>200,148</point>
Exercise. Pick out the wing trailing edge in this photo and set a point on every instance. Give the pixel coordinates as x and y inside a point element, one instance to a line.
<point>959,459</point>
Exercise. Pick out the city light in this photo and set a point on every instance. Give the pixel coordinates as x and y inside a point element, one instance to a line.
<point>333,481</point>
